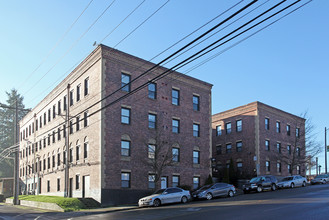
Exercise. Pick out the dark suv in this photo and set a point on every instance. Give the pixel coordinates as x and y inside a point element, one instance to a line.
<point>260,183</point>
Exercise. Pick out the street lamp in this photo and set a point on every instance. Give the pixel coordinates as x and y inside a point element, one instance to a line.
<point>325,148</point>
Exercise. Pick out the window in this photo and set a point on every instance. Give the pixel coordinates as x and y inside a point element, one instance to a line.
<point>228,148</point>
<point>64,157</point>
<point>54,136</point>
<point>86,86</point>
<point>64,103</point>
<point>175,97</point>
<point>85,148</point>
<point>239,146</point>
<point>36,125</point>
<point>77,148</point>
<point>78,123</point>
<point>278,167</point>
<point>267,123</point>
<point>268,167</point>
<point>267,145</point>
<point>48,139</point>
<point>48,185</point>
<point>77,181</point>
<point>151,151</point>
<point>196,157</point>
<point>58,184</point>
<point>297,132</point>
<point>196,182</point>
<point>71,155</point>
<point>288,130</point>
<point>152,90</point>
<point>85,119</point>
<point>228,128</point>
<point>125,180</point>
<point>175,154</point>
<point>59,110</point>
<point>58,134</point>
<point>125,82</point>
<point>71,127</point>
<point>64,131</point>
<point>78,93</point>
<point>238,125</point>
<point>196,103</point>
<point>175,181</point>
<point>48,162</point>
<point>218,130</point>
<point>298,169</point>
<point>125,148</point>
<point>289,149</point>
<point>54,161</point>
<point>152,121</point>
<point>45,118</point>
<point>58,159</point>
<point>40,121</point>
<point>196,130</point>
<point>278,147</point>
<point>49,115</point>
<point>151,181</point>
<point>175,126</point>
<point>54,111</point>
<point>278,129</point>
<point>289,168</point>
<point>125,116</point>
<point>219,149</point>
<point>239,167</point>
<point>71,97</point>
<point>298,151</point>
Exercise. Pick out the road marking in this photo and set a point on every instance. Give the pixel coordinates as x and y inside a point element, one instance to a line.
<point>193,209</point>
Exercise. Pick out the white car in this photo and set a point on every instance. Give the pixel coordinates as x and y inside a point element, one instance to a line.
<point>292,181</point>
<point>164,196</point>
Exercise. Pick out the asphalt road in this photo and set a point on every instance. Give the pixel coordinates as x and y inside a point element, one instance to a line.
<point>311,202</point>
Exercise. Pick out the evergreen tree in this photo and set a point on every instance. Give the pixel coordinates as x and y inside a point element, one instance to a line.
<point>7,129</point>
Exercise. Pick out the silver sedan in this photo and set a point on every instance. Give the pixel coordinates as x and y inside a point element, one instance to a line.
<point>164,196</point>
<point>214,190</point>
<point>292,181</point>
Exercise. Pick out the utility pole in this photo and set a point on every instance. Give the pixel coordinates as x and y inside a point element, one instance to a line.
<point>325,149</point>
<point>67,140</point>
<point>16,157</point>
<point>316,162</point>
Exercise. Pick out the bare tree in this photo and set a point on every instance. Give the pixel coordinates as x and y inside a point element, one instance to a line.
<point>304,148</point>
<point>159,154</point>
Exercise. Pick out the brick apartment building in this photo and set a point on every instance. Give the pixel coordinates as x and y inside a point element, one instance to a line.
<point>260,140</point>
<point>111,153</point>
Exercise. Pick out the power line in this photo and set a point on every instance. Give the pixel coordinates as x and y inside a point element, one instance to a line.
<point>157,65</point>
<point>56,45</point>
<point>160,52</point>
<point>72,46</point>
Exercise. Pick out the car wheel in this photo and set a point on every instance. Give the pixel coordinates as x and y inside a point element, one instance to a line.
<point>157,203</point>
<point>209,196</point>
<point>304,184</point>
<point>230,193</point>
<point>324,182</point>
<point>245,191</point>
<point>184,199</point>
<point>273,188</point>
<point>259,189</point>
<point>292,185</point>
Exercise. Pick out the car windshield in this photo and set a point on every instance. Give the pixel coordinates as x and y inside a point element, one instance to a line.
<point>255,180</point>
<point>287,178</point>
<point>321,176</point>
<point>160,191</point>
<point>206,187</point>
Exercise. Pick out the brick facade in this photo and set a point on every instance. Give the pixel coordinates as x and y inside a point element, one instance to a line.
<point>102,174</point>
<point>255,158</point>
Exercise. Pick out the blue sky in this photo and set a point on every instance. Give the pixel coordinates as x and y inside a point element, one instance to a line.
<point>285,65</point>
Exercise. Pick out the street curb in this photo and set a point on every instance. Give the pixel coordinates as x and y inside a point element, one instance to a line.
<point>107,210</point>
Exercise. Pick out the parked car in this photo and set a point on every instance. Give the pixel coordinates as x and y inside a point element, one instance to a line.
<point>322,178</point>
<point>164,196</point>
<point>260,183</point>
<point>292,181</point>
<point>214,190</point>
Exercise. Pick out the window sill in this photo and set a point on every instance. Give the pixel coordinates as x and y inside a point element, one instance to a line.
<point>125,158</point>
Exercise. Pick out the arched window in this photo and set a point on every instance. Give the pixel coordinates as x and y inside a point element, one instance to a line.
<point>85,148</point>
